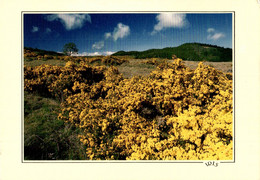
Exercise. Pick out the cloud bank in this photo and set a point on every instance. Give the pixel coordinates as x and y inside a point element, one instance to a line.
<point>105,53</point>
<point>170,20</point>
<point>70,21</point>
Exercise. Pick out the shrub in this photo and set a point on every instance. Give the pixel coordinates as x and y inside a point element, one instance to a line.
<point>47,57</point>
<point>174,113</point>
<point>194,109</point>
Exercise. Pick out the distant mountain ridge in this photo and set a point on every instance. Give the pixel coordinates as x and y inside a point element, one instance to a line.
<point>187,51</point>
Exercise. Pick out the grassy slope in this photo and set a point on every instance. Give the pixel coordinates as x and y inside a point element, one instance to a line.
<point>46,137</point>
<point>54,62</point>
<point>188,51</point>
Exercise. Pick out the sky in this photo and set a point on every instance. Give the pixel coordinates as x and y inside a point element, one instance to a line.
<point>106,33</point>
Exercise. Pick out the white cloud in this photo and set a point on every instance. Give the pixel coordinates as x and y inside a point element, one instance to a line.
<point>213,35</point>
<point>210,30</point>
<point>107,35</point>
<point>35,29</point>
<point>98,45</point>
<point>170,20</point>
<point>70,21</point>
<point>216,36</point>
<point>48,30</point>
<point>120,31</point>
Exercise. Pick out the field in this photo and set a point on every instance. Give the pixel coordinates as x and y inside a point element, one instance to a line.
<point>120,108</point>
<point>137,67</point>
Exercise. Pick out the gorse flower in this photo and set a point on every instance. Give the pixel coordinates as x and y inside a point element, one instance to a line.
<point>173,114</point>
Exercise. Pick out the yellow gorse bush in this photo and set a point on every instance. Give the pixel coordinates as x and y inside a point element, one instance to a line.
<point>58,81</point>
<point>173,114</point>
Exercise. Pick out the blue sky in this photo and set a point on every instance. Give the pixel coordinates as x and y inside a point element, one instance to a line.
<point>105,33</point>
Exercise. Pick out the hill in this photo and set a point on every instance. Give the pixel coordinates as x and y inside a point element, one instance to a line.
<point>40,52</point>
<point>188,51</point>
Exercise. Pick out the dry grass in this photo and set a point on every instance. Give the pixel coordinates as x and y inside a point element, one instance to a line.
<point>222,66</point>
<point>135,67</point>
<point>54,62</point>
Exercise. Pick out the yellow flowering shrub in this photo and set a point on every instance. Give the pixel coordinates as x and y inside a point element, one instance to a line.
<point>47,57</point>
<point>39,57</point>
<point>28,53</point>
<point>173,114</point>
<point>58,81</point>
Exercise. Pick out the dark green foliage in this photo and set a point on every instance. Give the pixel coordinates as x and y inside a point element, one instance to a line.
<point>46,137</point>
<point>188,51</point>
<point>129,53</point>
<point>70,48</point>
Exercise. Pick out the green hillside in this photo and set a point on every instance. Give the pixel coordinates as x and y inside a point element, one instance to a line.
<point>188,51</point>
